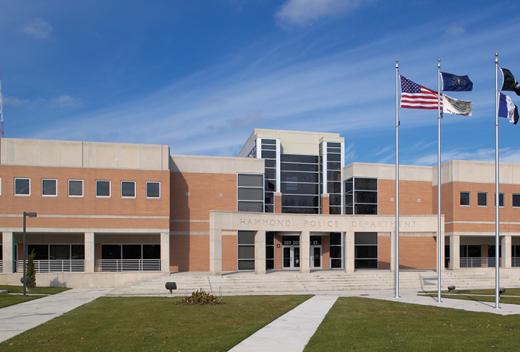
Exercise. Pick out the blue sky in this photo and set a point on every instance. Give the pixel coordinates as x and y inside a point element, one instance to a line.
<point>200,75</point>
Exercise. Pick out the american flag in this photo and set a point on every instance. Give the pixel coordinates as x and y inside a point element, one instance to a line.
<point>414,96</point>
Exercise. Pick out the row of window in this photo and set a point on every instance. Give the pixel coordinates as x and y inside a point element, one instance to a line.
<point>482,199</point>
<point>49,188</point>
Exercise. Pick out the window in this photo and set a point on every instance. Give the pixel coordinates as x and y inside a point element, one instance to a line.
<point>103,188</point>
<point>22,186</point>
<point>246,250</point>
<point>365,250</point>
<point>361,196</point>
<point>464,199</point>
<point>516,200</point>
<point>153,189</point>
<point>250,192</point>
<point>75,188</point>
<point>500,199</point>
<point>128,189</point>
<point>49,188</point>
<point>335,250</point>
<point>482,199</point>
<point>269,250</point>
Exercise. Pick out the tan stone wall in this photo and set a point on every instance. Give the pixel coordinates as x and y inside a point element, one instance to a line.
<point>415,197</point>
<point>189,253</point>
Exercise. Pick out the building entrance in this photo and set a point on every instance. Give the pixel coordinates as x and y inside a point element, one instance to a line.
<point>290,252</point>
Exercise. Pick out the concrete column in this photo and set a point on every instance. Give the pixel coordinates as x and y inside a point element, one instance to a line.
<point>349,244</point>
<point>454,252</point>
<point>215,251</point>
<point>305,250</point>
<point>90,251</point>
<point>392,251</point>
<point>443,256</point>
<point>7,252</point>
<point>506,243</point>
<point>165,252</point>
<point>260,252</point>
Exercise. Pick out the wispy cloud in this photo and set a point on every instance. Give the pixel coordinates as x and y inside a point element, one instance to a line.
<point>301,12</point>
<point>61,101</point>
<point>38,28</point>
<point>455,30</point>
<point>508,155</point>
<point>349,91</point>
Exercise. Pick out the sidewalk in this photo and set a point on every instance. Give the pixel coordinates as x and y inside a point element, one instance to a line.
<point>291,331</point>
<point>21,317</point>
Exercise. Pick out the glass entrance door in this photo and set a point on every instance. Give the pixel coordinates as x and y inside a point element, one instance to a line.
<point>291,257</point>
<point>315,257</point>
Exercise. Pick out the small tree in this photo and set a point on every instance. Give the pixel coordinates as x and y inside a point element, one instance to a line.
<point>31,275</point>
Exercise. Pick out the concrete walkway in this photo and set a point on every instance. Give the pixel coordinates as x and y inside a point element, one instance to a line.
<point>21,317</point>
<point>292,331</point>
<point>467,305</point>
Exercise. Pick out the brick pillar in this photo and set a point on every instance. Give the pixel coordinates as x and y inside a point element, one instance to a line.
<point>325,251</point>
<point>277,203</point>
<point>305,250</point>
<point>325,204</point>
<point>7,252</point>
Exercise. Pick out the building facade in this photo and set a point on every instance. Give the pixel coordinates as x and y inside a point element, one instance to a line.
<point>286,202</point>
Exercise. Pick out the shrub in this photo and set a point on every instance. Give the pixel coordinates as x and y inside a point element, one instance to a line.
<point>202,297</point>
<point>31,275</point>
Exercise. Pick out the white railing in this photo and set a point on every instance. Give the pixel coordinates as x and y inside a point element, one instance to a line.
<point>477,262</point>
<point>128,265</point>
<point>515,262</point>
<point>54,265</point>
<point>1,266</point>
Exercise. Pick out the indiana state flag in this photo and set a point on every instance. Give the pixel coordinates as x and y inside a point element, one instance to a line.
<point>454,83</point>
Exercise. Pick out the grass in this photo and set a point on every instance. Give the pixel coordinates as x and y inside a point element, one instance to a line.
<point>36,290</point>
<point>360,324</point>
<point>154,324</point>
<point>512,295</point>
<point>9,299</point>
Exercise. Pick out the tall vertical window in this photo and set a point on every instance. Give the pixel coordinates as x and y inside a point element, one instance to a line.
<point>300,183</point>
<point>332,155</point>
<point>500,199</point>
<point>153,190</point>
<point>269,250</point>
<point>267,150</point>
<point>49,188</point>
<point>246,250</point>
<point>361,196</point>
<point>102,188</point>
<point>22,186</point>
<point>128,189</point>
<point>336,250</point>
<point>482,199</point>
<point>75,188</point>
<point>464,199</point>
<point>250,192</point>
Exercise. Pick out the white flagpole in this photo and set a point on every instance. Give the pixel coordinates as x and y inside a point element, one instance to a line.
<point>439,183</point>
<point>396,235</point>
<point>497,191</point>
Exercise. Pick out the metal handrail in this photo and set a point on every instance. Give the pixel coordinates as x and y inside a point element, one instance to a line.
<point>477,262</point>
<point>55,265</point>
<point>515,262</point>
<point>118,265</point>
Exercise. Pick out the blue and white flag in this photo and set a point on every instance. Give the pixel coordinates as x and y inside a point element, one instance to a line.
<point>508,109</point>
<point>454,83</point>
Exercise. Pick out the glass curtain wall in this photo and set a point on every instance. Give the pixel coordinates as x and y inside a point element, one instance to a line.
<point>268,153</point>
<point>334,176</point>
<point>361,196</point>
<point>300,183</point>
<point>250,192</point>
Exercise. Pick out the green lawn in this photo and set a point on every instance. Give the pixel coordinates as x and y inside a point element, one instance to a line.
<point>512,295</point>
<point>360,324</point>
<point>8,299</point>
<point>154,324</point>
